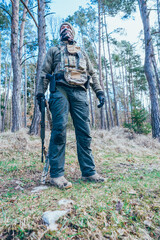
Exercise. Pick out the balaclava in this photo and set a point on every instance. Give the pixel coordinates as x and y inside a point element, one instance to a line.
<point>67,32</point>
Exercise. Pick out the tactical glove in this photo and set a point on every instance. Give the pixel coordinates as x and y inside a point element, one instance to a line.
<point>39,97</point>
<point>101,98</point>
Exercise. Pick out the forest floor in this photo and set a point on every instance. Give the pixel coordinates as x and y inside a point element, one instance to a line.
<point>126,207</point>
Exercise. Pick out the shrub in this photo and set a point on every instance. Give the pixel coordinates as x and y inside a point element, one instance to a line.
<point>139,116</point>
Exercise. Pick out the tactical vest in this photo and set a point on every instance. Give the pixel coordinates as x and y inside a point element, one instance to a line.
<point>73,65</point>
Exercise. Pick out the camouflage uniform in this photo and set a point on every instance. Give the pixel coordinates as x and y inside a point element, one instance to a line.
<point>68,98</point>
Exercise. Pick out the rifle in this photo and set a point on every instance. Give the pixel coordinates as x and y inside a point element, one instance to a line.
<point>43,104</point>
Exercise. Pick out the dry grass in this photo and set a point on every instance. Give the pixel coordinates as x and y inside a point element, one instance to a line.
<point>126,207</point>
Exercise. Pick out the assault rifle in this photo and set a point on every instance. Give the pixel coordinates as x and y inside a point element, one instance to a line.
<point>43,104</point>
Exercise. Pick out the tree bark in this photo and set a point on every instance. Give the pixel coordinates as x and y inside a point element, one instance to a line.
<point>41,55</point>
<point>113,84</point>
<point>158,13</point>
<point>107,88</point>
<point>99,59</point>
<point>6,103</point>
<point>153,59</point>
<point>123,87</point>
<point>155,115</point>
<point>0,85</point>
<point>21,39</point>
<point>126,86</point>
<point>92,112</point>
<point>16,95</point>
<point>25,92</point>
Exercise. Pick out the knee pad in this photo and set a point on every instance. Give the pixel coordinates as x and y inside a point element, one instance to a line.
<point>59,137</point>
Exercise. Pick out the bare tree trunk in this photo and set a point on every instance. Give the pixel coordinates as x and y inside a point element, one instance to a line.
<point>5,82</point>
<point>0,86</point>
<point>153,59</point>
<point>155,115</point>
<point>6,102</point>
<point>41,55</point>
<point>127,95</point>
<point>21,39</point>
<point>16,96</point>
<point>113,84</point>
<point>25,93</point>
<point>158,13</point>
<point>92,112</point>
<point>107,88</point>
<point>11,115</point>
<point>130,84</point>
<point>124,95</point>
<point>107,116</point>
<point>99,59</point>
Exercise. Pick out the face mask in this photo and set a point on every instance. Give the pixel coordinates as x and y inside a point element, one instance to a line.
<point>66,34</point>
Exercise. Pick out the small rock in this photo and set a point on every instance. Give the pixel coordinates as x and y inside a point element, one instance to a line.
<point>148,223</point>
<point>38,189</point>
<point>65,202</point>
<point>50,218</point>
<point>19,188</point>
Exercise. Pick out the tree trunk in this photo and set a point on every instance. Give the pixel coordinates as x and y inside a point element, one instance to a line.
<point>92,112</point>
<point>21,39</point>
<point>6,103</point>
<point>16,95</point>
<point>127,95</point>
<point>153,59</point>
<point>113,84</point>
<point>41,55</point>
<point>155,115</point>
<point>158,13</point>
<point>99,59</point>
<point>107,88</point>
<point>0,86</point>
<point>107,116</point>
<point>25,92</point>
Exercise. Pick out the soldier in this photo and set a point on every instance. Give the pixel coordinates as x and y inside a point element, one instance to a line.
<point>70,67</point>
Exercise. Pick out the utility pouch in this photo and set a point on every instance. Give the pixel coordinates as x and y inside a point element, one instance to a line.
<point>82,64</point>
<point>72,61</point>
<point>72,49</point>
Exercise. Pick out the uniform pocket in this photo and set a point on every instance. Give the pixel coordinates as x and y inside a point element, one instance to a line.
<point>72,61</point>
<point>82,64</point>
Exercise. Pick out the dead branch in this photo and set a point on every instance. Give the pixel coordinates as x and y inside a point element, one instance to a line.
<point>5,11</point>
<point>49,14</point>
<point>29,12</point>
<point>28,58</point>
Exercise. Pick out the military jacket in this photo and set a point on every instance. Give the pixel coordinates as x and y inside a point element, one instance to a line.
<point>53,59</point>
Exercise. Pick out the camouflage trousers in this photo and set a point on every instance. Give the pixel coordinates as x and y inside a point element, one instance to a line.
<point>74,100</point>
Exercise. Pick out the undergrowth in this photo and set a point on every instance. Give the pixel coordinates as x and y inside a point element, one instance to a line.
<point>125,207</point>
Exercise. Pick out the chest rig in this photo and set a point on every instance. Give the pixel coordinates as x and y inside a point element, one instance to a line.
<point>72,65</point>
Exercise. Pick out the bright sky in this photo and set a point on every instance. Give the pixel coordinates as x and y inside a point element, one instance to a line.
<point>63,8</point>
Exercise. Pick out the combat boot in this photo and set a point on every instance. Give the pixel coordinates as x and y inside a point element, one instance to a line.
<point>61,182</point>
<point>94,178</point>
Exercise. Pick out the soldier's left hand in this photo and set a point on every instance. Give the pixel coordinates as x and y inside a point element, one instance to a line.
<point>101,99</point>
